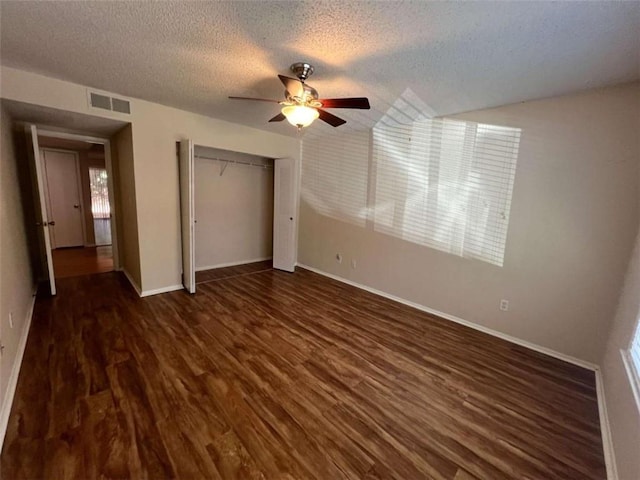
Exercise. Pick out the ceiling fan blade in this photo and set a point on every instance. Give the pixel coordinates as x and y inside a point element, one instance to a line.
<point>278,118</point>
<point>330,118</point>
<point>256,99</point>
<point>356,102</point>
<point>293,86</point>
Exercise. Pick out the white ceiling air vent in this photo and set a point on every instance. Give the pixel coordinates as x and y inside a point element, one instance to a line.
<point>105,102</point>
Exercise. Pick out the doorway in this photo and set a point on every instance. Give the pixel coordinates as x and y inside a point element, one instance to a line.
<point>77,202</point>
<point>75,190</point>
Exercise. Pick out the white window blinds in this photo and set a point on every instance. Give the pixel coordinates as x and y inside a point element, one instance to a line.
<point>446,184</point>
<point>100,207</point>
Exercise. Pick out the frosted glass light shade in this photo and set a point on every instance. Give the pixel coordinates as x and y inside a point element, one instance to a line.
<point>300,116</point>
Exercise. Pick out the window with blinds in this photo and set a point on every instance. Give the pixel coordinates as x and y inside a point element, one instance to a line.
<point>446,184</point>
<point>100,207</point>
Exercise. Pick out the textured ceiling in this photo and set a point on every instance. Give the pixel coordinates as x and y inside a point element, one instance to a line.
<point>452,56</point>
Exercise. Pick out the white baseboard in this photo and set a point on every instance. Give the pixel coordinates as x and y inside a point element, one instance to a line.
<point>466,323</point>
<point>605,430</point>
<point>148,293</point>
<point>232,264</point>
<point>15,373</point>
<point>133,283</point>
<point>171,288</point>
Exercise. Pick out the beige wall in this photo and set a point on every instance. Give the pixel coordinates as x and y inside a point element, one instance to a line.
<point>16,283</point>
<point>573,220</point>
<point>234,211</point>
<point>156,128</point>
<point>126,210</point>
<point>624,413</point>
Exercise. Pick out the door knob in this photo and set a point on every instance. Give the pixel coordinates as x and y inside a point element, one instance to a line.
<point>290,218</point>
<point>76,206</point>
<point>52,223</point>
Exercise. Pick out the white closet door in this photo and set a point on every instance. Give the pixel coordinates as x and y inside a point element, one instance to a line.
<point>283,214</point>
<point>42,220</point>
<point>187,215</point>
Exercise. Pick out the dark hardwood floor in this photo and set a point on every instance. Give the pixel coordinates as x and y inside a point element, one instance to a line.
<point>286,376</point>
<point>215,274</point>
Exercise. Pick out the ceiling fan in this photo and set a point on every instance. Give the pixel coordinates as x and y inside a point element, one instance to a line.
<point>302,105</point>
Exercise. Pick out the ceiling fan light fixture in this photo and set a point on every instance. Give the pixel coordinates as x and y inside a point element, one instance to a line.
<point>302,105</point>
<point>299,115</point>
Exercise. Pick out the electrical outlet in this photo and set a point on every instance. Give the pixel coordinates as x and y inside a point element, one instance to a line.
<point>504,305</point>
<point>338,257</point>
<point>353,263</point>
<point>11,319</point>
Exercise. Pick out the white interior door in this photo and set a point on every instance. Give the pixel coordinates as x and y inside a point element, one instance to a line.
<point>187,215</point>
<point>42,220</point>
<point>64,202</point>
<point>284,207</point>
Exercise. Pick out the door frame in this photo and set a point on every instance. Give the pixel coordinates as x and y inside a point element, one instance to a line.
<point>42,219</point>
<point>78,186</point>
<point>110,184</point>
<point>186,166</point>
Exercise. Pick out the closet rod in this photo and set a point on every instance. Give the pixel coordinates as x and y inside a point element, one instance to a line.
<point>239,162</point>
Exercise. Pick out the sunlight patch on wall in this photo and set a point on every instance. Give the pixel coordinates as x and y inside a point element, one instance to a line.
<point>441,183</point>
<point>335,175</point>
<point>446,184</point>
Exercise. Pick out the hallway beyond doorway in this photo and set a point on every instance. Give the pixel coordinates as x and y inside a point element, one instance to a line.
<point>71,262</point>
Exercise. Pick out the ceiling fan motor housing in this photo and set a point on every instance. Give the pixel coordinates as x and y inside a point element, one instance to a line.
<point>302,70</point>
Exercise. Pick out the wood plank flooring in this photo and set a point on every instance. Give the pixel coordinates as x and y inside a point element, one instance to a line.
<point>215,274</point>
<point>273,375</point>
<point>71,262</point>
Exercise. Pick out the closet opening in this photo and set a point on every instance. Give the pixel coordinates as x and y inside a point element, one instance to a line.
<point>235,209</point>
<point>233,206</point>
